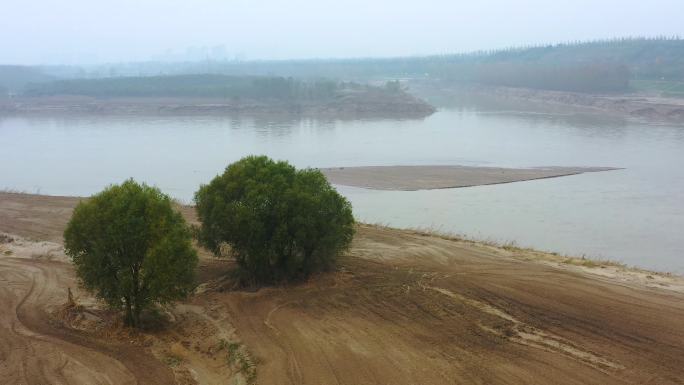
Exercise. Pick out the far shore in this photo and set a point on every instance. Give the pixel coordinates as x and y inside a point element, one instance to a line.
<point>632,106</point>
<point>347,107</point>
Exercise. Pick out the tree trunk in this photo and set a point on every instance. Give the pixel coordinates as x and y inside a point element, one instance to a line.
<point>134,300</point>
<point>129,320</point>
<point>136,315</point>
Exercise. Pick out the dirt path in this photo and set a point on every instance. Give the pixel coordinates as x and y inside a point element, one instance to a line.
<point>36,352</point>
<point>403,308</point>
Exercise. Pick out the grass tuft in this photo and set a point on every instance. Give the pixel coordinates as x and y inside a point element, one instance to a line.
<point>172,360</point>
<point>238,357</point>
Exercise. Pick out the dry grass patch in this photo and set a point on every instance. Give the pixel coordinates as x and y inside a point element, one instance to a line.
<point>511,248</point>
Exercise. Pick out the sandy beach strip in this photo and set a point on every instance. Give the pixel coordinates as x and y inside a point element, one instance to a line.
<point>411,178</point>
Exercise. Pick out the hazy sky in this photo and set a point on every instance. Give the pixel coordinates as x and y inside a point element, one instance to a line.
<point>70,31</point>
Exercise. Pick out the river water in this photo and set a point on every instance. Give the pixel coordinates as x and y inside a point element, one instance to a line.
<point>634,215</point>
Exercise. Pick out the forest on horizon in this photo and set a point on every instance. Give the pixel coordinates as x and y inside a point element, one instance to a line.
<point>614,65</point>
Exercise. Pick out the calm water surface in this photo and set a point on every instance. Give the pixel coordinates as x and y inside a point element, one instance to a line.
<point>635,215</point>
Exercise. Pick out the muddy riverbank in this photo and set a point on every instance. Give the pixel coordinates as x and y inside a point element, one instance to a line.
<point>403,307</point>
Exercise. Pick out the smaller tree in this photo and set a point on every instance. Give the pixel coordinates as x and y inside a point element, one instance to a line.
<point>280,223</point>
<point>131,248</point>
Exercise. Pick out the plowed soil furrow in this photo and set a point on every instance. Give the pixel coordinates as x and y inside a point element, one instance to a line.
<point>402,308</point>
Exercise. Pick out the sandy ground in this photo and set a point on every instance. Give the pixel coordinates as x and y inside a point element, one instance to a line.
<point>34,351</point>
<point>403,308</point>
<point>411,178</point>
<point>347,105</point>
<point>638,107</point>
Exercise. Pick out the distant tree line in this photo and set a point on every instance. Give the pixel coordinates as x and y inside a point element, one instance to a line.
<point>215,86</point>
<point>581,78</point>
<point>645,57</point>
<point>14,78</point>
<point>594,66</point>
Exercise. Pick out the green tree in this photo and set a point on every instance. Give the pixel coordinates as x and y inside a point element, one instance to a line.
<point>131,248</point>
<point>279,223</point>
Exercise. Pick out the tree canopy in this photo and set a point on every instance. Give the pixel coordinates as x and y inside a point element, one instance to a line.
<point>279,223</point>
<point>204,85</point>
<point>131,248</point>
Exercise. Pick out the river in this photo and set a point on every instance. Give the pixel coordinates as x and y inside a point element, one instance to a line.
<point>634,215</point>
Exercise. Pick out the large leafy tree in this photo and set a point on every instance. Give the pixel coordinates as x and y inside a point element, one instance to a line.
<point>279,223</point>
<point>131,248</point>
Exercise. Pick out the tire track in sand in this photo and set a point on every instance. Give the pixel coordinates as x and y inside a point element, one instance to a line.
<point>37,352</point>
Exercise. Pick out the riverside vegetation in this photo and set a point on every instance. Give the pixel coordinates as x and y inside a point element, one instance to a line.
<point>133,250</point>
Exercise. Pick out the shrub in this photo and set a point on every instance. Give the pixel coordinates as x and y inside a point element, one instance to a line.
<point>131,248</point>
<point>280,223</point>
